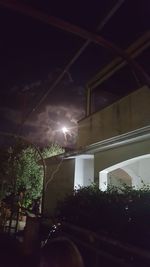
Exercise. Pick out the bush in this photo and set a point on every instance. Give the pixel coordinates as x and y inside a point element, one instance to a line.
<point>120,213</point>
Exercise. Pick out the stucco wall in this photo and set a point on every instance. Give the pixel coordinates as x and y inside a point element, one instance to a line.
<point>129,113</point>
<point>119,177</point>
<point>84,171</point>
<point>141,169</point>
<point>61,184</point>
<point>133,172</point>
<point>107,158</point>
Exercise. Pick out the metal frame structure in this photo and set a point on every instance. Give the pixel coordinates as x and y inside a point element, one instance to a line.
<point>80,32</point>
<point>134,50</point>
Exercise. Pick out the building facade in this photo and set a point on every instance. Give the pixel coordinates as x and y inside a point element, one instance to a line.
<point>113,145</point>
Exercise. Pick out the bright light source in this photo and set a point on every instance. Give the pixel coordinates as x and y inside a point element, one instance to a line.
<point>64,130</point>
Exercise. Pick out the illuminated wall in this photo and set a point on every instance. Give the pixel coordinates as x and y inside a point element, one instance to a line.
<point>129,113</point>
<point>84,170</point>
<point>133,172</point>
<point>120,153</point>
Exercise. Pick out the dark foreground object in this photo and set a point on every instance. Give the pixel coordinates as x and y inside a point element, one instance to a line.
<point>11,254</point>
<point>96,250</point>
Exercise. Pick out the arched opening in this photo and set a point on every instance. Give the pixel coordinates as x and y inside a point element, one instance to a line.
<point>133,172</point>
<point>119,177</point>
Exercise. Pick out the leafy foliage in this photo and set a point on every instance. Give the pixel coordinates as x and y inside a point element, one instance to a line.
<point>29,174</point>
<point>22,172</point>
<point>120,213</point>
<point>52,150</point>
<point>5,174</point>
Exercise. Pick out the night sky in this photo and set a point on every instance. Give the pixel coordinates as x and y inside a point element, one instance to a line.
<point>32,55</point>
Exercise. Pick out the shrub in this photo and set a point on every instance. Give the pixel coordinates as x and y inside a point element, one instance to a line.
<point>119,212</point>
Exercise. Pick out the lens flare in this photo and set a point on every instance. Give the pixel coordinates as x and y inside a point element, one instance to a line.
<point>64,130</point>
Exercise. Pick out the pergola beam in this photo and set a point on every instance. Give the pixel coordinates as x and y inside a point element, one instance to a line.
<point>68,27</point>
<point>134,50</point>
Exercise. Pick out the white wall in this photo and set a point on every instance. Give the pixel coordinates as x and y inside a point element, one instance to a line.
<point>84,170</point>
<point>109,157</point>
<point>103,180</point>
<point>137,168</point>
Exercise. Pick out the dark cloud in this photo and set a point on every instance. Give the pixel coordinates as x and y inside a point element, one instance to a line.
<point>62,107</point>
<point>44,126</point>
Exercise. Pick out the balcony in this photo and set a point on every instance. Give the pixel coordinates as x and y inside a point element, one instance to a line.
<point>130,113</point>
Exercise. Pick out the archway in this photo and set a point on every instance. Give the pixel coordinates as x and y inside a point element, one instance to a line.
<point>133,172</point>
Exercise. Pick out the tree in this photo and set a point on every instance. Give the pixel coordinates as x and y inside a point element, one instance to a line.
<point>30,173</point>
<point>52,150</point>
<point>22,170</point>
<point>5,174</point>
